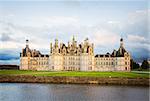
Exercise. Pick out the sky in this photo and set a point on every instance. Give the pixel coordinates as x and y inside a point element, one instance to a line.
<point>104,22</point>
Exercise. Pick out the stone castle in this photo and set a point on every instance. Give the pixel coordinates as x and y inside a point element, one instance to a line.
<point>74,57</point>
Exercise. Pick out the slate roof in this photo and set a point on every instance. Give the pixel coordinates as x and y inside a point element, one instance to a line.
<point>102,55</point>
<point>119,53</point>
<point>25,50</point>
<point>37,54</point>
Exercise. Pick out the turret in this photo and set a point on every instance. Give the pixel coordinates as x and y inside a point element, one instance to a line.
<point>56,43</point>
<point>27,43</point>
<point>92,48</point>
<point>51,47</point>
<point>69,44</point>
<point>27,46</point>
<point>86,42</point>
<point>61,44</point>
<point>73,39</point>
<point>73,42</point>
<point>121,42</point>
<point>114,53</point>
<point>121,45</point>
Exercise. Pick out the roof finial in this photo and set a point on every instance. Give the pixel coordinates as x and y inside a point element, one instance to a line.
<point>121,39</point>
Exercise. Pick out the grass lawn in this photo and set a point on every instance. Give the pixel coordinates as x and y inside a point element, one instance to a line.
<point>75,73</point>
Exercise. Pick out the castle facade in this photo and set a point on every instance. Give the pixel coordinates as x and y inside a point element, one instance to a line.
<point>74,57</point>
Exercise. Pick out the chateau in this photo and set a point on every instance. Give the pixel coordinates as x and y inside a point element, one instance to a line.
<point>74,57</point>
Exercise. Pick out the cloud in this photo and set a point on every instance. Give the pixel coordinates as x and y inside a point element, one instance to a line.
<point>5,37</point>
<point>137,35</point>
<point>103,37</point>
<point>140,54</point>
<point>13,35</point>
<point>11,62</point>
<point>51,21</point>
<point>9,56</point>
<point>137,23</point>
<point>139,47</point>
<point>138,39</point>
<point>40,30</point>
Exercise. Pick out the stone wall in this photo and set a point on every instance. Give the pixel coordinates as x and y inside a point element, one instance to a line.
<point>75,80</point>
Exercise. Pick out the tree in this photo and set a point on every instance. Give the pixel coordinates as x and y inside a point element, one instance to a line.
<point>134,65</point>
<point>145,64</point>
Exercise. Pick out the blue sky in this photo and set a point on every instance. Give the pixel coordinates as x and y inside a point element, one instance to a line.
<point>102,21</point>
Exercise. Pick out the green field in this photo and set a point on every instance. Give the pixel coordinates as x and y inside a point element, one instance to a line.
<point>75,73</point>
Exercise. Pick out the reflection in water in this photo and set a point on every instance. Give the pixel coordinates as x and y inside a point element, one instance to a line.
<point>69,92</point>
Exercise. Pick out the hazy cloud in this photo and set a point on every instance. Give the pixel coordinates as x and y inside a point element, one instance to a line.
<point>5,37</point>
<point>40,30</point>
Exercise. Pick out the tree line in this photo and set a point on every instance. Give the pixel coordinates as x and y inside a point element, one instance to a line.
<point>144,65</point>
